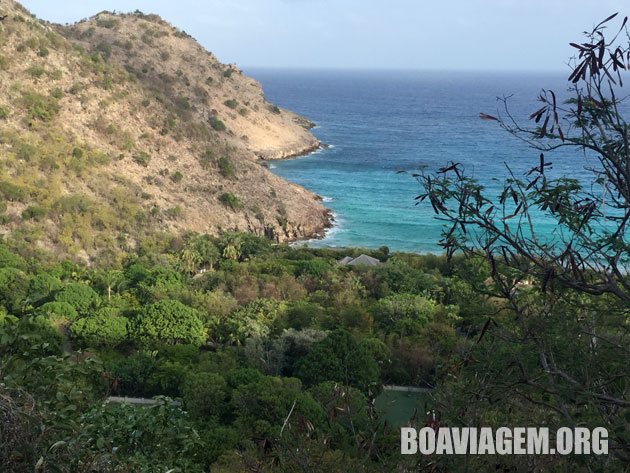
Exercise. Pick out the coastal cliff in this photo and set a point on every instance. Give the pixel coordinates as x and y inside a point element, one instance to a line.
<point>122,125</point>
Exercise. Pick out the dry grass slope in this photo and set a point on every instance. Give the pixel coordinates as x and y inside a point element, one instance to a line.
<point>121,125</point>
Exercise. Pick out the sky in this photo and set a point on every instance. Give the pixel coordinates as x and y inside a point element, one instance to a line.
<point>486,35</point>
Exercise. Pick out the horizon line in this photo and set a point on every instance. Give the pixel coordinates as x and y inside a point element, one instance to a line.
<point>402,69</point>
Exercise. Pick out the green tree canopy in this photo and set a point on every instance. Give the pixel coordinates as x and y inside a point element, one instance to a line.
<point>101,329</point>
<point>42,285</point>
<point>80,296</point>
<point>168,322</point>
<point>406,314</point>
<point>262,406</point>
<point>13,289</point>
<point>205,395</point>
<point>58,309</point>
<point>339,357</point>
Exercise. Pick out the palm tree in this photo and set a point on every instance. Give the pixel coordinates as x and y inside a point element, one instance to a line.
<point>231,245</point>
<point>111,278</point>
<point>190,259</point>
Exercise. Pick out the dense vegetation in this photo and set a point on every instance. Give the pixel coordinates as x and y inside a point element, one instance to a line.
<point>269,358</point>
<point>268,347</point>
<point>265,346</point>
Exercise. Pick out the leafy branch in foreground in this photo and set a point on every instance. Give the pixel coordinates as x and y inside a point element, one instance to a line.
<point>588,250</point>
<point>555,351</point>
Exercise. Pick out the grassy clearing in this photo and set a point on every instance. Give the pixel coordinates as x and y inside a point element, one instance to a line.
<point>398,407</point>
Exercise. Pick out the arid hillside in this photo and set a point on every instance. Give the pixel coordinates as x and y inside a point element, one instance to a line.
<point>121,125</point>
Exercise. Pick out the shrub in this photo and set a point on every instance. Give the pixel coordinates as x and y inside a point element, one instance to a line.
<point>253,320</point>
<point>25,151</point>
<point>226,168</point>
<point>348,406</point>
<point>36,71</point>
<point>183,354</point>
<point>217,441</point>
<point>167,378</point>
<point>231,103</point>
<point>34,212</point>
<point>404,314</point>
<point>58,310</point>
<point>262,406</point>
<point>9,259</point>
<point>80,296</point>
<point>177,176</point>
<point>142,158</point>
<point>169,124</point>
<point>204,395</point>
<point>13,289</point>
<point>56,93</point>
<point>74,203</point>
<point>303,314</point>
<point>132,374</point>
<point>412,363</point>
<point>206,159</point>
<point>40,107</point>
<point>297,343</point>
<point>100,330</point>
<point>221,361</point>
<point>230,200</point>
<point>253,245</point>
<point>168,322</point>
<point>42,285</point>
<point>4,113</point>
<point>49,335</point>
<point>217,125</point>
<point>316,267</point>
<point>339,357</point>
<point>174,212</point>
<point>19,336</point>
<point>109,23</point>
<point>215,303</point>
<point>182,106</point>
<point>12,192</point>
<point>355,317</point>
<point>241,376</point>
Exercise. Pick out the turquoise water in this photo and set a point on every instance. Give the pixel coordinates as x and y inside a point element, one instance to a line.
<point>378,123</point>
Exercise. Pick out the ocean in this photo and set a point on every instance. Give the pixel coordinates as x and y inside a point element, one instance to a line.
<point>379,123</point>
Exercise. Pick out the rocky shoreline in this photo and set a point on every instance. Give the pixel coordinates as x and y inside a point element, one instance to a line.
<point>301,233</point>
<point>291,152</point>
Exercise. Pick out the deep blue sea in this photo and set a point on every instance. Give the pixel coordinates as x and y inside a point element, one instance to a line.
<point>378,123</point>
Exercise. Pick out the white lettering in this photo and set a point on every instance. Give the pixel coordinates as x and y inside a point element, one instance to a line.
<point>581,441</point>
<point>519,441</point>
<point>600,441</point>
<point>564,441</point>
<point>426,440</point>
<point>460,438</point>
<point>504,441</point>
<point>444,443</point>
<point>486,442</point>
<point>538,441</point>
<point>408,441</point>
